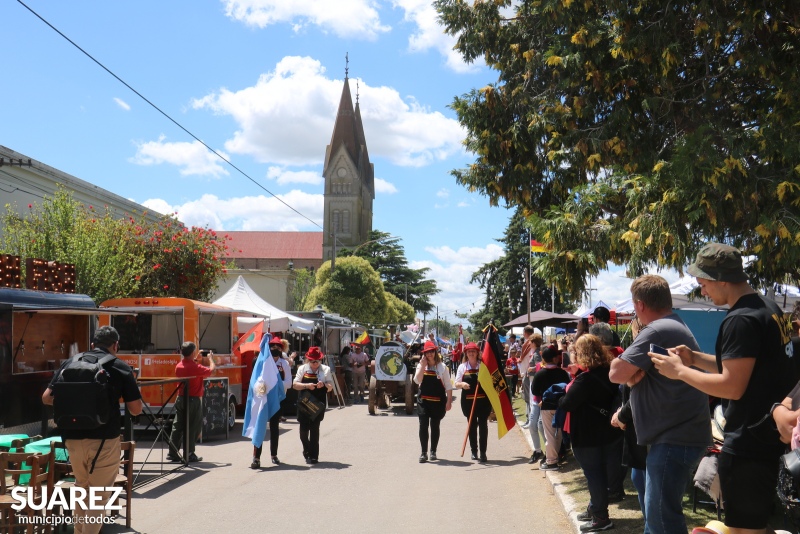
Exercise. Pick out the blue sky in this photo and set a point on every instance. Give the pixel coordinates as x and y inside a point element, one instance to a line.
<point>259,81</point>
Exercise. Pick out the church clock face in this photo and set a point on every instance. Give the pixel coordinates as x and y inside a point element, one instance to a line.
<point>341,172</point>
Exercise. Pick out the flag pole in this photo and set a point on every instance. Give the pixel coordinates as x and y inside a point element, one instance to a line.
<point>471,413</point>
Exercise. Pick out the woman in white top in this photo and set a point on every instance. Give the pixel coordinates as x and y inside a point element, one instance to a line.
<point>316,377</point>
<point>436,396</point>
<point>467,379</point>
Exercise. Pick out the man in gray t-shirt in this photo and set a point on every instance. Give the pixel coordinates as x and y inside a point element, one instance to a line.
<point>672,418</point>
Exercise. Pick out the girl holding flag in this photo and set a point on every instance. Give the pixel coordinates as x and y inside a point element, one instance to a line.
<point>436,394</point>
<point>285,379</point>
<point>264,398</point>
<point>467,379</point>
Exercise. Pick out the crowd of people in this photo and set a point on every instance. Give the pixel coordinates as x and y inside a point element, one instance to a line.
<point>645,408</point>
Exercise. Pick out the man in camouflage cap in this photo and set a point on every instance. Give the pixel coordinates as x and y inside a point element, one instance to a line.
<point>751,368</point>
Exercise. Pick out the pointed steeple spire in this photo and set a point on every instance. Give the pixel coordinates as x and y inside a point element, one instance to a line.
<point>345,129</point>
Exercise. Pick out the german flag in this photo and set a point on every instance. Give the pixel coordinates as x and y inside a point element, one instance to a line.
<point>363,339</point>
<point>537,247</point>
<point>493,382</point>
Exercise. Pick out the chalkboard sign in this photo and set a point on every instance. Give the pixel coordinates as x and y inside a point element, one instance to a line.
<point>215,408</point>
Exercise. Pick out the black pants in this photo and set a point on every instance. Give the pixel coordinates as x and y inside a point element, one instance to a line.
<point>425,421</point>
<point>274,434</point>
<point>479,423</point>
<point>309,436</point>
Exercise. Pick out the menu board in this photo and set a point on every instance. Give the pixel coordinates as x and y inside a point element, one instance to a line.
<point>215,408</point>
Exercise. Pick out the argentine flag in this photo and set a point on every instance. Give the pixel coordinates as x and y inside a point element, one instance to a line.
<point>264,395</point>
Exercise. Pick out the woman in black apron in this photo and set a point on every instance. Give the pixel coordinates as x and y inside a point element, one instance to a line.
<point>435,396</point>
<point>317,378</point>
<point>467,379</point>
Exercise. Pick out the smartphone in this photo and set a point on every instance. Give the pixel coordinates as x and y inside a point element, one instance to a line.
<point>658,349</point>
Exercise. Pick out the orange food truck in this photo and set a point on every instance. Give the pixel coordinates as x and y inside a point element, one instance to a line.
<point>151,338</point>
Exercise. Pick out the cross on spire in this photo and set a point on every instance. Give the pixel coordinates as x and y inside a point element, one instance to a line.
<point>346,64</point>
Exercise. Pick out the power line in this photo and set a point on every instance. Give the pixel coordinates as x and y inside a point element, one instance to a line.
<point>176,123</point>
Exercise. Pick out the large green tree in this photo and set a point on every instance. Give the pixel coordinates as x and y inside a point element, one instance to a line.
<point>503,280</point>
<point>388,258</point>
<point>633,131</point>
<point>355,290</point>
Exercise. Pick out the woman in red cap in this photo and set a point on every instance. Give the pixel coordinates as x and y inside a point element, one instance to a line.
<point>436,393</point>
<point>316,377</point>
<point>467,379</point>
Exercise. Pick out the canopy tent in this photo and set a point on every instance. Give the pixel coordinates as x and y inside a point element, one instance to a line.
<point>586,311</point>
<point>542,318</point>
<point>242,297</point>
<point>785,296</point>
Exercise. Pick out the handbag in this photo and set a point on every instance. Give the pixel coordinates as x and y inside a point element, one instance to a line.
<point>308,405</point>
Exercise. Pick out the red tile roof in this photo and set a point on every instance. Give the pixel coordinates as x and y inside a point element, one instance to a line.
<point>276,245</point>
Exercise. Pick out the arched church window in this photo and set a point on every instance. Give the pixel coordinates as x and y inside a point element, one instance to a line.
<point>346,221</point>
<point>335,220</point>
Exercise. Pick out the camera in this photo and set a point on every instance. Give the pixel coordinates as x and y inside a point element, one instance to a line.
<point>204,353</point>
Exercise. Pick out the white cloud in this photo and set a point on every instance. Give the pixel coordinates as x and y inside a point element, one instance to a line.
<point>463,204</point>
<point>283,177</point>
<point>288,115</point>
<point>443,193</point>
<point>248,213</point>
<point>121,103</point>
<point>346,18</point>
<point>193,158</point>
<point>382,186</point>
<point>430,34</point>
<point>452,270</point>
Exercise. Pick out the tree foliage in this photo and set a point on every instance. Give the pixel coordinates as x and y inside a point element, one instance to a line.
<point>117,257</point>
<point>503,280</point>
<point>354,290</point>
<point>634,131</point>
<point>388,258</point>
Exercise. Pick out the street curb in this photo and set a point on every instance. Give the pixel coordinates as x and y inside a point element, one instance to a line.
<point>567,502</point>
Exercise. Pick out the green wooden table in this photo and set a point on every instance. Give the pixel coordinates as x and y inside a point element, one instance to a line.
<point>5,440</point>
<point>43,447</point>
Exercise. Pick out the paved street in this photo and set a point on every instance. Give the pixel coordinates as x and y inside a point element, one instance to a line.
<point>368,480</point>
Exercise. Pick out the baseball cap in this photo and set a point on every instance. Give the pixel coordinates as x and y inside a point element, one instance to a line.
<point>718,262</point>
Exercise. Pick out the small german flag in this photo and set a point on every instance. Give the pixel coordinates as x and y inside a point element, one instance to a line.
<point>537,247</point>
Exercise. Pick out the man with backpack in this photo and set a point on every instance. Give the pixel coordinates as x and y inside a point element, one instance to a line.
<point>85,394</point>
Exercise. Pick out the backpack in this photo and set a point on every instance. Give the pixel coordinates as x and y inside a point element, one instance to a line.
<point>552,395</point>
<point>82,392</point>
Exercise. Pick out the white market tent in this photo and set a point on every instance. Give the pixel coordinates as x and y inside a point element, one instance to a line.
<point>585,311</point>
<point>784,296</point>
<point>242,297</point>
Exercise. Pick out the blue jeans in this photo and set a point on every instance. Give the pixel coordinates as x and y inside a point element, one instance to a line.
<point>639,479</point>
<point>536,429</point>
<point>669,468</point>
<point>593,463</point>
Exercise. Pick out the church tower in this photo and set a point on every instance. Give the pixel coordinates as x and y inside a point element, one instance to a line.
<point>349,180</point>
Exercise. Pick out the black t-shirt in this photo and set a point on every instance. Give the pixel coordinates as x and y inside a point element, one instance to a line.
<point>122,383</point>
<point>755,327</point>
<point>545,378</point>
